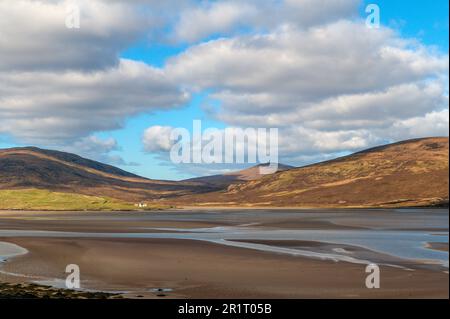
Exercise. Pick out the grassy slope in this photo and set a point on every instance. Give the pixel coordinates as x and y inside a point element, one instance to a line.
<point>34,199</point>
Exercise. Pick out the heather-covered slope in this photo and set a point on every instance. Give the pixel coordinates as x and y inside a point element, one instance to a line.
<point>33,168</point>
<point>408,173</point>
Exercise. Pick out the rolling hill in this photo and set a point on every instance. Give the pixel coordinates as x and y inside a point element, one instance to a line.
<point>34,168</point>
<point>408,173</point>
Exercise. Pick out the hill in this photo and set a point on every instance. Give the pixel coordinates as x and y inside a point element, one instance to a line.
<point>408,173</point>
<point>34,168</point>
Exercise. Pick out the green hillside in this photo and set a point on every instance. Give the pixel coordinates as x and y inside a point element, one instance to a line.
<point>35,199</point>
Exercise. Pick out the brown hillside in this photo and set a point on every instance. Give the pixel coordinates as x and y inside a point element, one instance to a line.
<point>58,171</point>
<point>409,173</point>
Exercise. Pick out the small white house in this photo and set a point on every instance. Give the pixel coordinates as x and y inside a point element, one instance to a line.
<point>141,205</point>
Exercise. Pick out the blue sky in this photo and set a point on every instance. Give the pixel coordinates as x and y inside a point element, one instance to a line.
<point>426,21</point>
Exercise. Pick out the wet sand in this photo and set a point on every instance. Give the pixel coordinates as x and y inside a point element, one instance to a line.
<point>116,222</point>
<point>185,268</point>
<point>204,270</point>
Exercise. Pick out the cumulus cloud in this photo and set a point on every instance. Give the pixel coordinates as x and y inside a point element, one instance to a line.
<point>431,124</point>
<point>229,17</point>
<point>339,58</point>
<point>93,144</point>
<point>63,106</point>
<point>217,17</point>
<point>97,149</point>
<point>351,111</point>
<point>59,86</point>
<point>329,89</point>
<point>157,139</point>
<point>34,34</point>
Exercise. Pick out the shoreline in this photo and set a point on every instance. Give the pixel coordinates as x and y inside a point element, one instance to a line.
<point>231,208</point>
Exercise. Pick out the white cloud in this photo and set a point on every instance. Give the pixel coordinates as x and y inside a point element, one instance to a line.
<point>63,106</point>
<point>157,139</point>
<point>338,58</point>
<point>431,124</point>
<point>58,86</point>
<point>34,35</point>
<point>97,149</point>
<point>369,110</point>
<point>330,88</point>
<point>216,17</point>
<point>232,16</point>
<point>93,144</point>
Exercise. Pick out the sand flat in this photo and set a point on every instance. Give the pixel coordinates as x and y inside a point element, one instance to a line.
<point>203,270</point>
<point>144,253</point>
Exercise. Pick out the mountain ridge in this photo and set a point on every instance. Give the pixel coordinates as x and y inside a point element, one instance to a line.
<point>59,171</point>
<point>406,173</point>
<point>70,158</point>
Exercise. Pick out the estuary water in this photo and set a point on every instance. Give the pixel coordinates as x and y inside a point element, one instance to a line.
<point>397,237</point>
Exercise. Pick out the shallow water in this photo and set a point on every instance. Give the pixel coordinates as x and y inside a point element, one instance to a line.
<point>393,235</point>
<point>9,250</point>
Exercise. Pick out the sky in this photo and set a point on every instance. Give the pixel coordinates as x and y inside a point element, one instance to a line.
<point>112,89</point>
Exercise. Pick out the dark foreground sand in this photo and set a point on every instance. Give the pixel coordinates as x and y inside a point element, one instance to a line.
<point>197,269</point>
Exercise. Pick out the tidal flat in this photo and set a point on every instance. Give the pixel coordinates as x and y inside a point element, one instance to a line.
<point>232,253</point>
